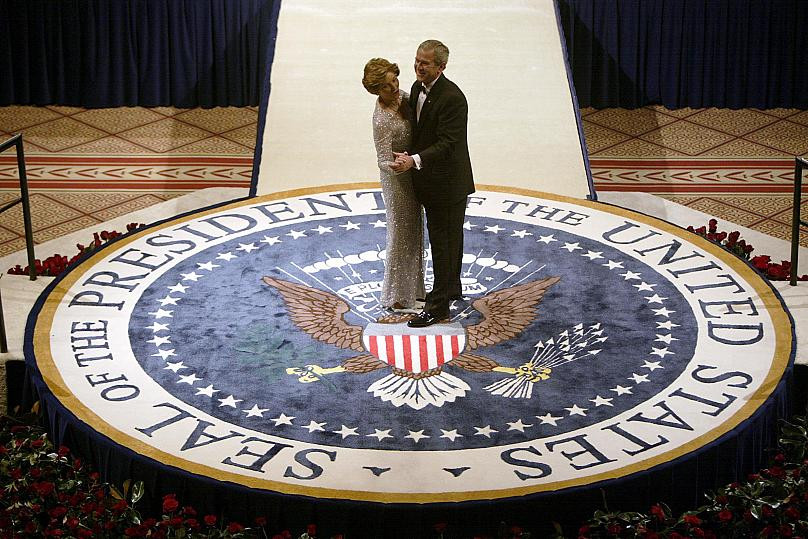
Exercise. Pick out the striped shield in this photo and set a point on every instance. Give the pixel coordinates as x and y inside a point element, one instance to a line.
<point>414,349</point>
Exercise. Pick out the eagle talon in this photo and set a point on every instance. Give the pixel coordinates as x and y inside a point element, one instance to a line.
<point>311,373</point>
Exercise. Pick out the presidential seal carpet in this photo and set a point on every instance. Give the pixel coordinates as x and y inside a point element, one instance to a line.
<point>240,355</point>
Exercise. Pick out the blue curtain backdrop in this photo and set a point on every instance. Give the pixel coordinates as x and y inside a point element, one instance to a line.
<point>688,53</point>
<point>109,53</point>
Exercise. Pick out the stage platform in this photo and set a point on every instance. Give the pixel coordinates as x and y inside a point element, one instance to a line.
<point>239,355</point>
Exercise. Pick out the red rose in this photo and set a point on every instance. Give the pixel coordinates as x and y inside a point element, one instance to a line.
<point>175,522</point>
<point>170,503</point>
<point>767,531</point>
<point>786,531</point>
<point>440,527</point>
<point>793,513</point>
<point>725,515</point>
<point>58,511</point>
<point>192,523</point>
<point>311,529</point>
<point>188,510</point>
<point>766,510</point>
<point>95,476</point>
<point>235,527</point>
<point>761,262</point>
<point>72,523</point>
<point>692,520</point>
<point>698,532</point>
<point>210,520</point>
<point>260,521</point>
<point>658,512</point>
<point>614,529</point>
<point>119,506</point>
<point>36,444</point>
<point>63,451</point>
<point>44,488</point>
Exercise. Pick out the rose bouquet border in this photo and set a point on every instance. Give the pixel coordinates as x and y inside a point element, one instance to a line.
<point>57,264</point>
<point>733,243</point>
<point>770,503</point>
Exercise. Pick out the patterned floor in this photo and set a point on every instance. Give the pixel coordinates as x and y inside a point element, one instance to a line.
<point>87,166</point>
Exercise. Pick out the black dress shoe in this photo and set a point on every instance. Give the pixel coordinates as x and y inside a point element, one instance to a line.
<point>424,319</point>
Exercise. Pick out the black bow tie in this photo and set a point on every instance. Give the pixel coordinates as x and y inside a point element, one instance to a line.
<point>424,90</point>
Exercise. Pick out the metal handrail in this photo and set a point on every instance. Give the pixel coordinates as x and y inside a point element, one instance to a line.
<point>800,164</point>
<point>16,140</point>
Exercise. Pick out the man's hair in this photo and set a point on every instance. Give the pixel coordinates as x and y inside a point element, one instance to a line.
<point>376,71</point>
<point>441,50</point>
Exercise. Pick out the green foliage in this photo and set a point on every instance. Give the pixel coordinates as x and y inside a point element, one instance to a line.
<point>771,503</point>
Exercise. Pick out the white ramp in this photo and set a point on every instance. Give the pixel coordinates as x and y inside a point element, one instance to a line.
<point>506,56</point>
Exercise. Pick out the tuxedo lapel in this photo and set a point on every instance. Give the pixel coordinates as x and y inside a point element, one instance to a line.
<point>432,96</point>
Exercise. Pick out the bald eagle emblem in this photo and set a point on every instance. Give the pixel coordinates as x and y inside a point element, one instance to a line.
<point>416,357</point>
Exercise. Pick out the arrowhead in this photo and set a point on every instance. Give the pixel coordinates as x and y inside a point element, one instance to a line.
<point>457,471</point>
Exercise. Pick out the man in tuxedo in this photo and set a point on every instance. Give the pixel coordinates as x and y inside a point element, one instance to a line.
<point>442,176</point>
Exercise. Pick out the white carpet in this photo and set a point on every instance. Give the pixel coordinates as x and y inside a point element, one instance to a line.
<point>506,56</point>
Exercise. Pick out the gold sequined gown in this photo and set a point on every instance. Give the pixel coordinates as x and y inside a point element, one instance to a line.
<point>404,260</point>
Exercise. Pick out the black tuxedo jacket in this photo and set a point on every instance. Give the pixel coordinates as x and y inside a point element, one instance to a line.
<point>440,140</point>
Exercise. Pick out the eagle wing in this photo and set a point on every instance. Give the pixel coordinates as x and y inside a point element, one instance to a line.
<point>319,313</point>
<point>506,313</point>
<point>362,364</point>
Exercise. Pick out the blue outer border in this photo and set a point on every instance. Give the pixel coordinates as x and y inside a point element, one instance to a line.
<point>579,123</point>
<point>266,88</point>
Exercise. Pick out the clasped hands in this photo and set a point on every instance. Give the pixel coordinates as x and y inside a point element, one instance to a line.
<point>403,162</point>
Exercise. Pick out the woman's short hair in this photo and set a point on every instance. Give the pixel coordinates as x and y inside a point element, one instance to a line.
<point>376,71</point>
